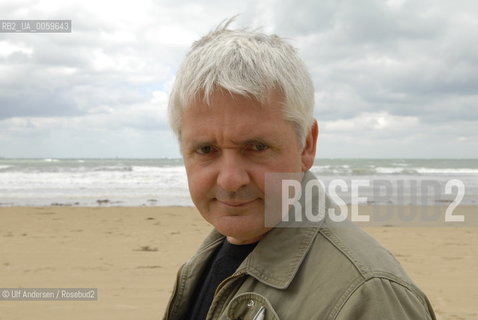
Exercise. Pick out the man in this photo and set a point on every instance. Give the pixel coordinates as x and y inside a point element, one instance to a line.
<point>242,106</point>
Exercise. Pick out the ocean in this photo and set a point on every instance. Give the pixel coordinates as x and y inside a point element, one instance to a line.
<point>163,182</point>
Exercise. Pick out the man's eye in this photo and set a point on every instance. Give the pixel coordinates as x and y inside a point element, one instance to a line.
<point>205,149</point>
<point>259,147</point>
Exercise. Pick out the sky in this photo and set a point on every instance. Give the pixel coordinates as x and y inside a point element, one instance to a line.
<point>393,79</point>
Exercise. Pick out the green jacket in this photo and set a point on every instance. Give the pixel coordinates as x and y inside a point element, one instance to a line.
<point>326,271</point>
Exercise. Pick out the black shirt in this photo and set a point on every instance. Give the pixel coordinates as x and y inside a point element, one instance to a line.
<point>225,262</point>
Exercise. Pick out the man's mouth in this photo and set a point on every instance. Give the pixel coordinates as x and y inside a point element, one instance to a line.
<point>235,204</point>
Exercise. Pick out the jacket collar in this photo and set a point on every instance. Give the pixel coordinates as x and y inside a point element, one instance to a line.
<point>278,256</point>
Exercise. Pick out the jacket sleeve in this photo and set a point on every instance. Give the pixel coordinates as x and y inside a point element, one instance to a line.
<point>381,298</point>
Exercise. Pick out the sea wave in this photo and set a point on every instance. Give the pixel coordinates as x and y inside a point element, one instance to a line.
<point>459,171</point>
<point>164,182</point>
<point>370,170</point>
<point>107,168</point>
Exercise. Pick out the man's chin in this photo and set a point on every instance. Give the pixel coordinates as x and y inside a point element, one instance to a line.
<point>240,228</point>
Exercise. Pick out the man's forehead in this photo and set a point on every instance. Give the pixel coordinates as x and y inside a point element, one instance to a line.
<point>238,136</point>
<point>231,117</point>
<point>195,131</point>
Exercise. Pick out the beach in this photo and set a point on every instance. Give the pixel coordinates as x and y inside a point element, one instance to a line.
<point>131,255</point>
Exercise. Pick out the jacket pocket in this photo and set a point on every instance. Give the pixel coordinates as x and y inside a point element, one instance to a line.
<point>250,306</point>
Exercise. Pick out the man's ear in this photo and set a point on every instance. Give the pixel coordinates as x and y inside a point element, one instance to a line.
<point>308,153</point>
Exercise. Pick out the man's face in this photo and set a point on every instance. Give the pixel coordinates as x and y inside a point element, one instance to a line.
<point>228,146</point>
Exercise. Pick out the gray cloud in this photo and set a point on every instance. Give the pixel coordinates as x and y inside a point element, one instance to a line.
<point>417,58</point>
<point>385,71</point>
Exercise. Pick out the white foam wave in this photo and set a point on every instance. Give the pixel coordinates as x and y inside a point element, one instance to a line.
<point>459,171</point>
<point>391,170</point>
<point>176,169</point>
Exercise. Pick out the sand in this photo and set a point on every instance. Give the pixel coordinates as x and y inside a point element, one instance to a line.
<point>132,254</point>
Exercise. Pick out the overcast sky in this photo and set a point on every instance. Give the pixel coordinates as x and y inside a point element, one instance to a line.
<point>393,79</point>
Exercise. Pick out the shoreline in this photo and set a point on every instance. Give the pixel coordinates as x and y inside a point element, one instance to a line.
<point>131,255</point>
<point>378,215</point>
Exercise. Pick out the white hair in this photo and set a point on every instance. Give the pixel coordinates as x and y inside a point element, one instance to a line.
<point>248,63</point>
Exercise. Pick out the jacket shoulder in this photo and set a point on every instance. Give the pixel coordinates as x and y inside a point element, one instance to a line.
<point>351,245</point>
<point>368,275</point>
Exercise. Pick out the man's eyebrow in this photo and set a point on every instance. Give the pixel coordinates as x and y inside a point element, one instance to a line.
<point>254,140</point>
<point>250,141</point>
<point>195,144</point>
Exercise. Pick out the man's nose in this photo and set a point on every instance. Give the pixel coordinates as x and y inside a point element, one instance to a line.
<point>232,172</point>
